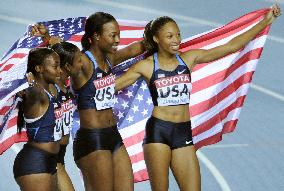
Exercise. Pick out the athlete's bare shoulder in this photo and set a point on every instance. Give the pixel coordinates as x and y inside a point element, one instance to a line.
<point>145,67</point>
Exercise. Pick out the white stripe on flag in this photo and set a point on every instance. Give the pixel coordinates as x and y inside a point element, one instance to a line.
<point>138,166</point>
<point>131,34</point>
<point>134,149</point>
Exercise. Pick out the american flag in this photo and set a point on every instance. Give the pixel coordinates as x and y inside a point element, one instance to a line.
<point>218,94</point>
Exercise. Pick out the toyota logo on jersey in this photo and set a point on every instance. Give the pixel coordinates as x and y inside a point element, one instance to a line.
<point>173,90</point>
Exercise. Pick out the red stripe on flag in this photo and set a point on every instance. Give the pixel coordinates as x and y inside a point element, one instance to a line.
<point>218,117</point>
<point>11,140</point>
<point>76,38</point>
<point>7,67</point>
<point>230,126</point>
<point>129,28</point>
<point>134,139</point>
<point>141,175</point>
<point>4,110</point>
<point>12,122</point>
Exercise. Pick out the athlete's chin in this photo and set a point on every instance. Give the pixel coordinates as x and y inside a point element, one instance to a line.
<point>112,51</point>
<point>114,48</point>
<point>173,51</point>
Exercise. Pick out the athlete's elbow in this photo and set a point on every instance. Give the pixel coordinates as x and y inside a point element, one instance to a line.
<point>233,47</point>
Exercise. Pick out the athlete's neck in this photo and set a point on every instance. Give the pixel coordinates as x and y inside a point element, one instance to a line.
<point>98,54</point>
<point>166,59</point>
<point>61,86</point>
<point>42,82</point>
<point>166,55</point>
<point>100,58</point>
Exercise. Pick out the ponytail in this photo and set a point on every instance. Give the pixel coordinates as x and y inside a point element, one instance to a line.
<point>85,42</point>
<point>150,45</point>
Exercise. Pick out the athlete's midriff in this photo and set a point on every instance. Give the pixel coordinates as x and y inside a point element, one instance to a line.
<point>51,147</point>
<point>176,114</point>
<point>91,118</point>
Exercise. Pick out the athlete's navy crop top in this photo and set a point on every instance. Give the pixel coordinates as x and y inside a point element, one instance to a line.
<point>98,92</point>
<point>169,88</point>
<point>46,128</point>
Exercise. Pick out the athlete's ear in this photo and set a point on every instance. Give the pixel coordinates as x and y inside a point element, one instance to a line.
<point>155,39</point>
<point>38,68</point>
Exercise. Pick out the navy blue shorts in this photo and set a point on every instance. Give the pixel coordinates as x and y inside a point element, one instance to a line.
<point>32,160</point>
<point>175,135</point>
<point>90,140</point>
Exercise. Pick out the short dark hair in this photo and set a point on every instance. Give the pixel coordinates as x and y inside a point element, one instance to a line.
<point>94,24</point>
<point>36,57</point>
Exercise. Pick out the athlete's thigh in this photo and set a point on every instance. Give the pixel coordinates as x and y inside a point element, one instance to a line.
<point>185,167</point>
<point>63,180</point>
<point>54,179</point>
<point>157,157</point>
<point>97,170</point>
<point>123,174</point>
<point>36,182</point>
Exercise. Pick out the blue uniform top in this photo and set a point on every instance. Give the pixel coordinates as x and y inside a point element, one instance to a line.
<point>46,128</point>
<point>98,92</point>
<point>170,88</point>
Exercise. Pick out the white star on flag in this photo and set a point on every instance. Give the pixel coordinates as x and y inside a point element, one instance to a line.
<point>145,112</point>
<point>149,101</point>
<point>139,97</point>
<point>144,86</point>
<point>125,104</point>
<point>130,118</point>
<point>129,94</point>
<point>120,115</point>
<point>135,108</point>
<point>134,84</point>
